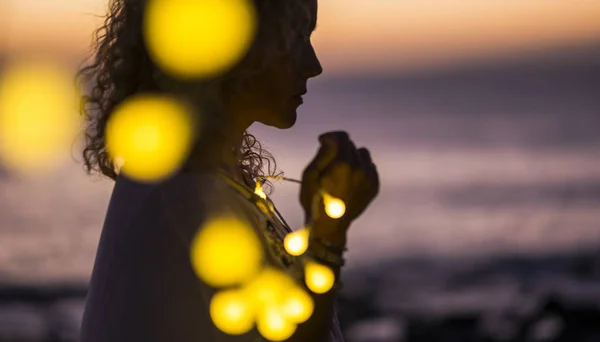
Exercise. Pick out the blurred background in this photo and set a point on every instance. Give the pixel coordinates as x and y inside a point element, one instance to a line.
<point>483,118</point>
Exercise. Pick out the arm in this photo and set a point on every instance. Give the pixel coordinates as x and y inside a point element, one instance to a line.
<point>341,170</point>
<point>318,326</point>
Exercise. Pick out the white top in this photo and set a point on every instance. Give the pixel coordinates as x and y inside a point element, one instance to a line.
<point>143,287</point>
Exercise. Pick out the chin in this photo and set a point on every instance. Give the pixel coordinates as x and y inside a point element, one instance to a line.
<point>283,121</point>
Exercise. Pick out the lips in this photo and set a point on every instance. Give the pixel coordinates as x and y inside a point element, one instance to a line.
<point>298,96</point>
<point>302,92</point>
<point>297,100</point>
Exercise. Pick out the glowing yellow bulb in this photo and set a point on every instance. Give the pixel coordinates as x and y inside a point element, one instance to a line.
<point>319,278</point>
<point>226,252</point>
<point>191,38</point>
<point>232,312</point>
<point>296,243</point>
<point>259,191</point>
<point>272,324</point>
<point>297,305</point>
<point>38,116</point>
<point>269,287</point>
<point>149,137</point>
<point>334,207</point>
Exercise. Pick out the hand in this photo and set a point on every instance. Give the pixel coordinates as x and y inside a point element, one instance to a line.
<point>344,172</point>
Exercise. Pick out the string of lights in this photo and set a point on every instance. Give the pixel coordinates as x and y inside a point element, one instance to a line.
<point>266,296</point>
<point>148,137</point>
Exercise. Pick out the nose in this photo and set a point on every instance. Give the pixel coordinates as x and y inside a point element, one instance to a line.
<point>312,65</point>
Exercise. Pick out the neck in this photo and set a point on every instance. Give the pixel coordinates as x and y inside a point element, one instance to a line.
<point>219,146</point>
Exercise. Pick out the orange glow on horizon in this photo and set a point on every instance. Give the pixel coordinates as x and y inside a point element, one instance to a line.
<point>353,35</point>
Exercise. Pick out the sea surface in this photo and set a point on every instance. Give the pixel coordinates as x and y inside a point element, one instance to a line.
<point>490,180</point>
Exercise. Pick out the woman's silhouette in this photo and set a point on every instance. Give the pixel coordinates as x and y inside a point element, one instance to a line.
<point>143,287</point>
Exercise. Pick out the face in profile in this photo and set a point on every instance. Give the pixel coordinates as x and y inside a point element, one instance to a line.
<point>273,96</point>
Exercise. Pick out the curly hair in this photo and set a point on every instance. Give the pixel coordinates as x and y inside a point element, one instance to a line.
<point>121,67</point>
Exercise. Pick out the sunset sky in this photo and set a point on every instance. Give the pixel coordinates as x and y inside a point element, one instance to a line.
<point>353,35</point>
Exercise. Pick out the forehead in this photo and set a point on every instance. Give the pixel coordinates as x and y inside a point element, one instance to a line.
<point>313,7</point>
<point>296,14</point>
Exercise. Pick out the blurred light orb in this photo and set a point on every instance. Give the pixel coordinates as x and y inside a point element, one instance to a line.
<point>272,324</point>
<point>334,207</point>
<point>296,243</point>
<point>149,137</point>
<point>319,278</point>
<point>269,287</point>
<point>297,305</point>
<point>225,252</point>
<point>38,115</point>
<point>198,38</point>
<point>232,312</point>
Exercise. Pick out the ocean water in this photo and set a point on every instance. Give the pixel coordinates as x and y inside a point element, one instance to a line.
<point>472,162</point>
<point>476,164</point>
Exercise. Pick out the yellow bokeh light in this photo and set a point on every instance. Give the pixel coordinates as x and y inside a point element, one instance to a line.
<point>297,305</point>
<point>225,252</point>
<point>192,39</point>
<point>38,116</point>
<point>319,278</point>
<point>149,136</point>
<point>232,312</point>
<point>334,207</point>
<point>296,243</point>
<point>272,324</point>
<point>268,287</point>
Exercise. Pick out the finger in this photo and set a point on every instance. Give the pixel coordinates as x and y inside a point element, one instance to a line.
<point>325,156</point>
<point>352,154</point>
<point>327,153</point>
<point>346,150</point>
<point>335,135</point>
<point>375,177</point>
<point>369,167</point>
<point>363,169</point>
<point>364,157</point>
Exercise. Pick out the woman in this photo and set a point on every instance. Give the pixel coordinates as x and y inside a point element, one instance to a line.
<point>143,286</point>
